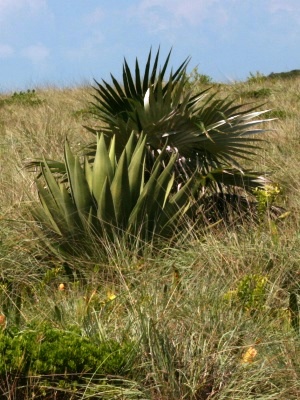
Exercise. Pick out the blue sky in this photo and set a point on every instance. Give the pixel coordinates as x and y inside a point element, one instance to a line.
<point>69,42</point>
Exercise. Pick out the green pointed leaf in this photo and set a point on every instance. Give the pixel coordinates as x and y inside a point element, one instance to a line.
<point>130,146</point>
<point>70,211</point>
<point>53,187</point>
<point>78,183</point>
<point>112,154</point>
<point>102,168</point>
<point>146,74</point>
<point>130,83</point>
<point>146,198</point>
<point>120,190</point>
<point>106,210</point>
<point>162,187</point>
<point>53,217</point>
<point>186,192</point>
<point>138,83</point>
<point>136,170</point>
<point>154,68</point>
<point>88,171</point>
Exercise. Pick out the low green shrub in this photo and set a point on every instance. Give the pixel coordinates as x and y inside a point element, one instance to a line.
<point>251,292</point>
<point>256,77</point>
<point>28,98</point>
<point>295,73</point>
<point>47,350</point>
<point>257,94</point>
<point>266,197</point>
<point>196,78</point>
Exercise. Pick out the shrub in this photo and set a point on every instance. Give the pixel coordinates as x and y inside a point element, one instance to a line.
<point>28,98</point>
<point>256,77</point>
<point>206,133</point>
<point>257,94</point>
<point>196,78</point>
<point>46,350</point>
<point>250,294</point>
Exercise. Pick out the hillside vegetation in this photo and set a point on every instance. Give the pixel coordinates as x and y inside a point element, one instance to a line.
<point>211,313</point>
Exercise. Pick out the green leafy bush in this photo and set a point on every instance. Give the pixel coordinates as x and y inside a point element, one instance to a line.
<point>257,94</point>
<point>295,73</point>
<point>196,78</point>
<point>46,350</point>
<point>256,77</point>
<point>28,98</point>
<point>265,198</point>
<point>251,292</point>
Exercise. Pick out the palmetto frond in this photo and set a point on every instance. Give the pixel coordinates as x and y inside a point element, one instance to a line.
<point>205,132</point>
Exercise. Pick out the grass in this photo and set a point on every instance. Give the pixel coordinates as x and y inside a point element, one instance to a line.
<point>178,305</point>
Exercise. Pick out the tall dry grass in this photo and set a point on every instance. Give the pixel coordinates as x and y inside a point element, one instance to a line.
<point>177,303</point>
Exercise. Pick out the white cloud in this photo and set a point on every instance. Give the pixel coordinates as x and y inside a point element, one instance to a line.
<point>288,9</point>
<point>95,16</point>
<point>292,6</point>
<point>37,54</point>
<point>12,6</point>
<point>88,48</point>
<point>6,51</point>
<point>162,15</point>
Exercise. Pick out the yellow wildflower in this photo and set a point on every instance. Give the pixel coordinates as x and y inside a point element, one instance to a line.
<point>110,295</point>
<point>249,355</point>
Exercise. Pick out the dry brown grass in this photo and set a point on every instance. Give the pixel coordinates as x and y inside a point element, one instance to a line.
<point>190,340</point>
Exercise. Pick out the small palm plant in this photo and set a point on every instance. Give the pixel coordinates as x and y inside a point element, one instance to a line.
<point>207,134</point>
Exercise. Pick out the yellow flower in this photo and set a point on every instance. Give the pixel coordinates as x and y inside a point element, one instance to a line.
<point>249,355</point>
<point>61,287</point>
<point>110,295</point>
<point>231,295</point>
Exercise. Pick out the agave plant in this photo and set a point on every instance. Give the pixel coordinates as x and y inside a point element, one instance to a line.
<point>110,197</point>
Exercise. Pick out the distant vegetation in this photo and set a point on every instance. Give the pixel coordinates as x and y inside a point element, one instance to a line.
<point>155,253</point>
<point>258,77</point>
<point>29,98</point>
<point>295,73</point>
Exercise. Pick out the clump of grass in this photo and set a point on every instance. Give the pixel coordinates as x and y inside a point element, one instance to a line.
<point>257,77</point>
<point>280,114</point>
<point>196,78</point>
<point>257,94</point>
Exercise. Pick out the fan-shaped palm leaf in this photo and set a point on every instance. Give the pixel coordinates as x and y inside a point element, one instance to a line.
<point>205,132</point>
